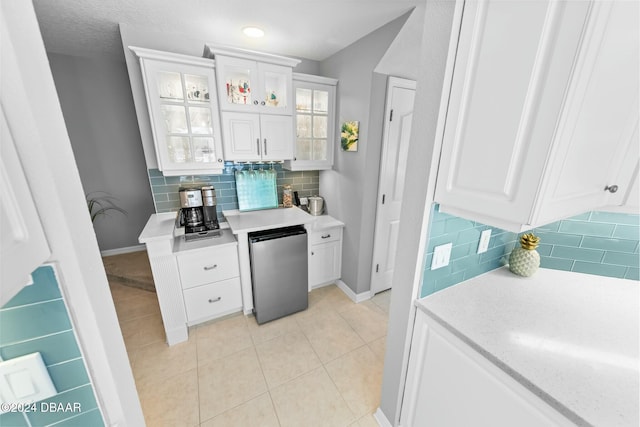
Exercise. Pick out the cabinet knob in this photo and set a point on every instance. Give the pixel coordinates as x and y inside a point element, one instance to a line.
<point>255,102</point>
<point>219,160</point>
<point>312,253</point>
<point>210,267</point>
<point>263,103</point>
<point>212,300</point>
<point>611,188</point>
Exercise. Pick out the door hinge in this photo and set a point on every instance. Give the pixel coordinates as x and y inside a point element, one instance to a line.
<point>377,267</point>
<point>391,116</point>
<point>383,197</point>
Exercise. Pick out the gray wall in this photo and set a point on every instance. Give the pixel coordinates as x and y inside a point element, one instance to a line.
<point>350,189</point>
<point>421,172</point>
<point>96,102</point>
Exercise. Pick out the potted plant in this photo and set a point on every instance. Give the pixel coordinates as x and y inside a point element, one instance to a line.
<point>101,202</point>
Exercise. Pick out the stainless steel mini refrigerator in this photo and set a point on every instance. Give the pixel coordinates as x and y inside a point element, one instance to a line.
<point>279,272</point>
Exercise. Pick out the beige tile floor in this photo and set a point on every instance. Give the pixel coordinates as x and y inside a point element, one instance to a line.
<point>319,367</point>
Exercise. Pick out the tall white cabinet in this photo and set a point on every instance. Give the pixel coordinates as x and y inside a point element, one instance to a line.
<point>183,107</point>
<point>256,103</point>
<point>542,121</point>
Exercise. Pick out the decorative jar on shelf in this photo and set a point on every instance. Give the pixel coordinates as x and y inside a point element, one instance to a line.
<point>524,259</point>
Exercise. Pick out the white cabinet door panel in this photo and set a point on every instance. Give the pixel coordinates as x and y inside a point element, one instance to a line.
<point>597,135</point>
<point>241,133</point>
<point>277,137</point>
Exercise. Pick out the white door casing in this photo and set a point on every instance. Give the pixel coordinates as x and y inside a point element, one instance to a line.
<point>395,146</point>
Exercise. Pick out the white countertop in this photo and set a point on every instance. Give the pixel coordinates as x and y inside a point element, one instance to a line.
<point>570,338</point>
<point>159,227</point>
<point>247,222</point>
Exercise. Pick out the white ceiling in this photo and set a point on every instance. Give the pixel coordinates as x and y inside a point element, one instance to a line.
<point>312,29</point>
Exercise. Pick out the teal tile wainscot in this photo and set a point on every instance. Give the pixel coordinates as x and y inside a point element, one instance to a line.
<point>165,188</point>
<point>599,243</point>
<point>465,262</point>
<point>37,320</point>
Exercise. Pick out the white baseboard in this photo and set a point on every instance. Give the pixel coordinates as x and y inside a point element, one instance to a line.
<point>357,298</point>
<point>381,419</point>
<point>120,251</point>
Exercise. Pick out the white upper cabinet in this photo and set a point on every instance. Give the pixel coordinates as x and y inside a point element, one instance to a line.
<point>256,99</point>
<point>543,112</point>
<point>253,82</point>
<point>257,137</point>
<point>252,86</point>
<point>183,107</point>
<point>314,122</point>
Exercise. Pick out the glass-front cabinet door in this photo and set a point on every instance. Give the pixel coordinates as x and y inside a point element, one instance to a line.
<point>314,122</point>
<point>251,86</point>
<point>182,102</point>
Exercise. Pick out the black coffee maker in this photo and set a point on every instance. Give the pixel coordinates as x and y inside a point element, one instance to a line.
<point>210,216</point>
<point>198,217</point>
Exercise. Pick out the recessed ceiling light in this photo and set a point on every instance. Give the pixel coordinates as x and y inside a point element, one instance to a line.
<point>254,32</point>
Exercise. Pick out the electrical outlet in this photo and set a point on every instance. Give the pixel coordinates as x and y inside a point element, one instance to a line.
<point>485,237</point>
<point>304,201</point>
<point>441,256</point>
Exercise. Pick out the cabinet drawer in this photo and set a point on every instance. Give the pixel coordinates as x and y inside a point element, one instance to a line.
<point>213,300</point>
<point>324,236</point>
<point>207,266</point>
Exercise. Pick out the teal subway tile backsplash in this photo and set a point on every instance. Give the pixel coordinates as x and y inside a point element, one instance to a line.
<point>36,320</point>
<point>465,262</point>
<point>601,243</point>
<point>165,188</point>
<point>586,228</point>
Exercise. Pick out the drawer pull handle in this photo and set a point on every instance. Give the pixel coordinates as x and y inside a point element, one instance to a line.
<point>210,267</point>
<point>211,300</point>
<point>326,236</point>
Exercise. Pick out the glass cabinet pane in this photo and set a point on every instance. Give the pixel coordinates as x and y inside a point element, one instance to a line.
<point>303,149</point>
<point>275,86</point>
<point>319,126</point>
<point>303,126</point>
<point>175,118</point>
<point>169,85</point>
<point>203,150</point>
<point>320,101</point>
<point>179,149</point>
<point>238,82</point>
<point>200,119</point>
<point>303,100</point>
<point>197,87</point>
<point>320,149</point>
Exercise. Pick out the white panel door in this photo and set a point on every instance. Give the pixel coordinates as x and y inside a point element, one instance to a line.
<point>399,109</point>
<point>241,132</point>
<point>277,137</point>
<point>597,136</point>
<point>512,66</point>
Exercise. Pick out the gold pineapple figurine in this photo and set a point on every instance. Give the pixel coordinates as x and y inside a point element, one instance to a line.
<point>525,260</point>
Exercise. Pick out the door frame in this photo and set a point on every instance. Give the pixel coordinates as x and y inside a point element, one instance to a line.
<point>392,83</point>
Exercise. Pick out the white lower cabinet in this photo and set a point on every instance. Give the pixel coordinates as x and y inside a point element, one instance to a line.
<point>450,384</point>
<point>325,256</point>
<point>210,279</point>
<point>212,300</point>
<point>195,282</point>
